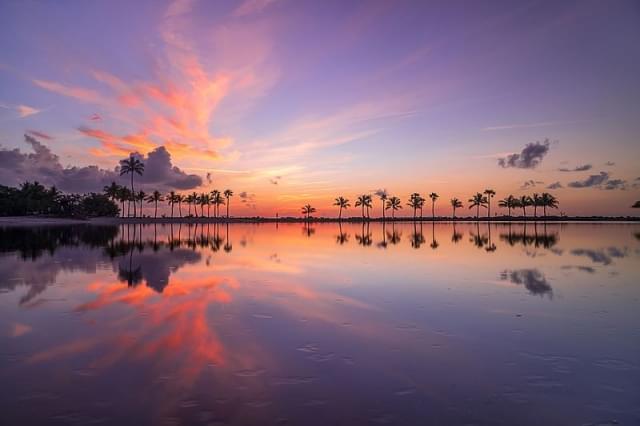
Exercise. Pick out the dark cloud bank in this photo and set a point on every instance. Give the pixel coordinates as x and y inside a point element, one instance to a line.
<point>528,158</point>
<point>44,166</point>
<point>602,181</point>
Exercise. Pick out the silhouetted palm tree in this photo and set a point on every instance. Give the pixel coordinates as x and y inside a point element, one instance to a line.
<point>394,204</point>
<point>342,237</point>
<point>414,202</point>
<point>508,203</point>
<point>524,202</point>
<point>194,200</point>
<point>364,201</point>
<point>111,191</point>
<point>140,197</point>
<point>171,200</point>
<point>154,198</point>
<point>179,199</point>
<point>123,196</point>
<point>455,204</point>
<point>307,210</point>
<point>433,197</point>
<point>228,194</point>
<point>205,200</point>
<point>342,203</point>
<point>490,194</point>
<point>478,201</point>
<point>217,201</point>
<point>548,200</point>
<point>383,197</point>
<point>132,165</point>
<point>536,201</point>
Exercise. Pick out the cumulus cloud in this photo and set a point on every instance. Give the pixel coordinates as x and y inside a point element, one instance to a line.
<point>248,199</point>
<point>44,166</point>
<point>530,156</point>
<point>602,181</point>
<point>582,168</point>
<point>555,185</point>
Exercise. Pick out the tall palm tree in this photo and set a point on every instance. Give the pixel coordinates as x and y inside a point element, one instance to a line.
<point>433,197</point>
<point>179,199</point>
<point>490,193</point>
<point>123,196</point>
<point>194,200</point>
<point>307,210</point>
<point>140,197</point>
<point>214,196</point>
<point>536,201</point>
<point>508,203</point>
<point>548,200</point>
<point>456,204</point>
<point>364,201</point>
<point>171,200</point>
<point>478,201</point>
<point>524,202</point>
<point>383,197</point>
<point>228,194</point>
<point>131,165</point>
<point>154,198</point>
<point>342,203</point>
<point>394,204</point>
<point>217,201</point>
<point>189,200</point>
<point>414,202</point>
<point>205,200</point>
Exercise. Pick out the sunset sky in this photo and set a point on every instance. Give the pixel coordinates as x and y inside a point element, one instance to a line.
<point>291,102</point>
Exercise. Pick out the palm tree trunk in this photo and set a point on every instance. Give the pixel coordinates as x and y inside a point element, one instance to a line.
<point>340,214</point>
<point>155,214</point>
<point>133,194</point>
<point>477,211</point>
<point>179,209</point>
<point>227,208</point>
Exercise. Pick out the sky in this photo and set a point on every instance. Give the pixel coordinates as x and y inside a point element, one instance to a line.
<point>294,102</point>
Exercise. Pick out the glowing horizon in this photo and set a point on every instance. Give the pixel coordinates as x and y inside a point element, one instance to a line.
<point>300,102</point>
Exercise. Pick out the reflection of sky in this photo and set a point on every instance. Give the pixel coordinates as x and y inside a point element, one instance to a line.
<point>289,323</point>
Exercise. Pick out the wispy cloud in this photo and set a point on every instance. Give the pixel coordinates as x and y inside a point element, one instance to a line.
<point>528,125</point>
<point>23,111</point>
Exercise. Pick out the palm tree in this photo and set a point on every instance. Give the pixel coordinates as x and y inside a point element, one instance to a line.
<point>394,204</point>
<point>194,200</point>
<point>478,201</point>
<point>189,200</point>
<point>179,199</point>
<point>364,201</point>
<point>131,165</point>
<point>217,201</point>
<point>111,191</point>
<point>228,194</point>
<point>383,197</point>
<point>508,203</point>
<point>342,203</point>
<point>490,194</point>
<point>548,200</point>
<point>205,200</point>
<point>536,201</point>
<point>154,198</point>
<point>140,196</point>
<point>171,200</point>
<point>433,197</point>
<point>420,205</point>
<point>414,202</point>
<point>524,202</point>
<point>123,195</point>
<point>214,196</point>
<point>456,204</point>
<point>307,210</point>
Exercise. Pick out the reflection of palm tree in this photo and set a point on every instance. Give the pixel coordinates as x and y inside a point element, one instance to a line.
<point>131,165</point>
<point>490,193</point>
<point>308,230</point>
<point>455,237</point>
<point>342,203</point>
<point>490,246</point>
<point>154,198</point>
<point>395,236</point>
<point>455,204</point>
<point>342,237</point>
<point>417,237</point>
<point>479,240</point>
<point>307,210</point>
<point>227,245</point>
<point>478,201</point>
<point>433,197</point>
<point>364,239</point>
<point>383,243</point>
<point>434,243</point>
<point>394,204</point>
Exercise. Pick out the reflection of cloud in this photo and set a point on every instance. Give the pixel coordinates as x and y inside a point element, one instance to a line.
<point>530,156</point>
<point>533,280</point>
<point>18,329</point>
<point>604,256</point>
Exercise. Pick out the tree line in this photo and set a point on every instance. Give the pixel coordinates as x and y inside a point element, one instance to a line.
<point>33,198</point>
<point>416,202</point>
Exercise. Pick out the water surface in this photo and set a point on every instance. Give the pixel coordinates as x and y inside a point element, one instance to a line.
<point>322,324</point>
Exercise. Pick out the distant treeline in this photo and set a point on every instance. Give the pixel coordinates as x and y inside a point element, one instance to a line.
<point>36,199</point>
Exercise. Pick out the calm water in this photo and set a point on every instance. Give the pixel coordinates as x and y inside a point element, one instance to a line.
<point>321,325</point>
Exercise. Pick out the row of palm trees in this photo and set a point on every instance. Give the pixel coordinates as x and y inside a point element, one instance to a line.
<point>214,198</point>
<point>416,202</point>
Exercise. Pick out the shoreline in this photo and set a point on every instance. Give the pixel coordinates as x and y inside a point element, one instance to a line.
<point>55,221</point>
